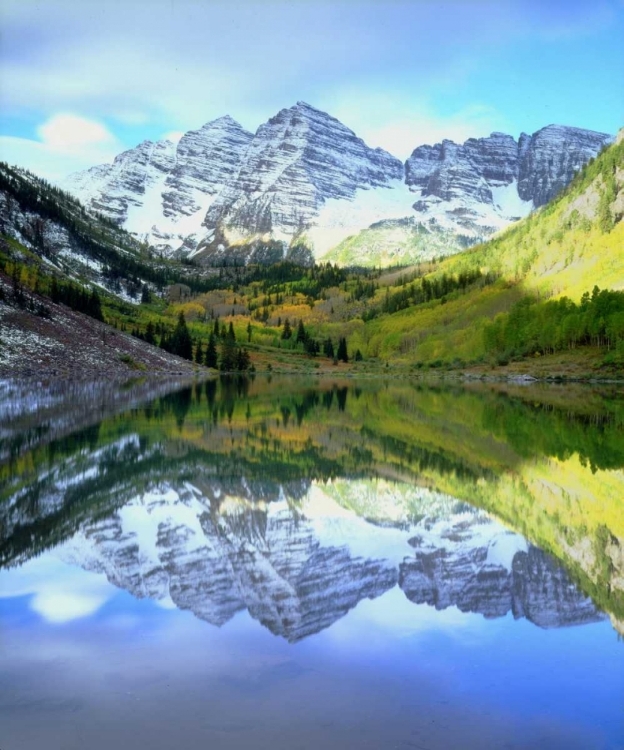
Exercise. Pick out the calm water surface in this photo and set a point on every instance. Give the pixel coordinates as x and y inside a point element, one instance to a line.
<point>303,564</point>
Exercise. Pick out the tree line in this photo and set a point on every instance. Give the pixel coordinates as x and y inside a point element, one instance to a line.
<point>546,327</point>
<point>228,356</point>
<point>425,290</point>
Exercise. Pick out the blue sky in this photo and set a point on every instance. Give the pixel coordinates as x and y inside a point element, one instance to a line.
<point>82,80</point>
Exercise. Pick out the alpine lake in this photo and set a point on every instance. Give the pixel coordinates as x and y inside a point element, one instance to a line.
<point>290,564</point>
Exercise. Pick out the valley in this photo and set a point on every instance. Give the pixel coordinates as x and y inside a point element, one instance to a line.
<point>283,311</point>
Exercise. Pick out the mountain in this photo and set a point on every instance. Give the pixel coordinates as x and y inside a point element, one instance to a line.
<point>298,161</point>
<point>217,550</point>
<point>463,193</point>
<point>305,183</point>
<point>561,250</point>
<point>495,579</point>
<point>487,182</point>
<point>161,191</point>
<point>56,260</point>
<point>42,225</point>
<point>58,228</point>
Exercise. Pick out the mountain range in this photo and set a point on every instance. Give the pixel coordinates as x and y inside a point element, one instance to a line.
<point>304,184</point>
<point>297,561</point>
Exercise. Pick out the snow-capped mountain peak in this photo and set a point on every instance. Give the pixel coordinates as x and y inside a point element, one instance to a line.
<point>305,177</point>
<point>161,191</point>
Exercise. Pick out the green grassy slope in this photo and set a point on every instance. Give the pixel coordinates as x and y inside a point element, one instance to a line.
<point>566,248</point>
<point>388,242</point>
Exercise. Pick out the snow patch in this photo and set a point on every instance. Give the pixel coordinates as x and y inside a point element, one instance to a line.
<point>509,203</point>
<point>340,218</point>
<point>503,548</point>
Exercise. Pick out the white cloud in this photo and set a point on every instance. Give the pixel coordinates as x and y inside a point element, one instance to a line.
<point>67,143</point>
<point>59,592</point>
<point>65,606</point>
<point>67,132</point>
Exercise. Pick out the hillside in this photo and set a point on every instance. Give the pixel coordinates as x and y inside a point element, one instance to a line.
<point>525,296</point>
<point>81,242</point>
<point>438,313</point>
<point>562,250</point>
<point>46,340</point>
<point>65,272</point>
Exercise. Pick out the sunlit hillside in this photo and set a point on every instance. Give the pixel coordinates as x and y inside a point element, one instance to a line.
<point>564,249</point>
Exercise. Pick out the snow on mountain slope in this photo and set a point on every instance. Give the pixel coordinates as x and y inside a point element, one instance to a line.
<point>297,161</point>
<point>307,177</point>
<point>484,184</point>
<point>297,571</point>
<point>161,191</point>
<point>339,218</point>
<point>304,178</point>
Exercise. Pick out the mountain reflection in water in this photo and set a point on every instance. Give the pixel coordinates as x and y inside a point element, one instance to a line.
<point>299,563</point>
<point>207,496</point>
<point>323,513</point>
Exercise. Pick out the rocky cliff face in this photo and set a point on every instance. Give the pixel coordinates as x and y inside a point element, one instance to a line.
<point>204,160</point>
<point>305,179</point>
<point>484,184</point>
<point>298,568</point>
<point>551,157</point>
<point>299,159</point>
<point>172,546</point>
<point>161,191</point>
<point>494,580</point>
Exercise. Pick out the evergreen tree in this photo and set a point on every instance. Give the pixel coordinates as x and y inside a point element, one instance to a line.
<point>199,354</point>
<point>211,352</point>
<point>249,330</point>
<point>229,355</point>
<point>301,333</point>
<point>342,350</point>
<point>358,355</point>
<point>242,360</point>
<point>54,291</point>
<point>328,348</point>
<point>150,336</point>
<point>181,342</point>
<point>94,306</point>
<point>230,334</point>
<point>287,330</point>
<point>311,347</point>
<point>146,295</point>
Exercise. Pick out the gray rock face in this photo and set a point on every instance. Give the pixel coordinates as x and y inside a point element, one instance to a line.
<point>551,157</point>
<point>485,183</point>
<point>223,195</point>
<point>302,158</point>
<point>296,161</point>
<point>469,171</point>
<point>161,191</point>
<point>222,549</point>
<point>533,586</point>
<point>268,562</point>
<point>205,159</point>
